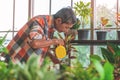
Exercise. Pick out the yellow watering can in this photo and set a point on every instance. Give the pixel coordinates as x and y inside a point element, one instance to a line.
<point>60,51</point>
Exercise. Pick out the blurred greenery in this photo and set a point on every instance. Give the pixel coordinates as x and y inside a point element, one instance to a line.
<point>97,69</point>
<point>112,54</point>
<point>2,47</point>
<point>32,71</point>
<point>26,71</point>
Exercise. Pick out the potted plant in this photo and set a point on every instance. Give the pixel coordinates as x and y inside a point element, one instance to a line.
<point>69,49</point>
<point>76,26</point>
<point>117,23</point>
<point>83,11</point>
<point>102,32</point>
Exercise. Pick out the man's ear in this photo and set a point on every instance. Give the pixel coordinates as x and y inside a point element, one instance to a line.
<point>58,20</point>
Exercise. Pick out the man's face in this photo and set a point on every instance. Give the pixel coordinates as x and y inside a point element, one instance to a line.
<point>63,27</point>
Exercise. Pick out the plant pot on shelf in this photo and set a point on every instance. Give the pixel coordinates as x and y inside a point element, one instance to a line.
<point>101,35</point>
<point>118,35</point>
<point>83,34</point>
<point>83,11</point>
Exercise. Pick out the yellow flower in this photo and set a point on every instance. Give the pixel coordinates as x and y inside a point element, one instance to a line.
<point>104,21</point>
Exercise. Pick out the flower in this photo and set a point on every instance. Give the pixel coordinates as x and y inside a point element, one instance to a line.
<point>117,22</point>
<point>104,22</point>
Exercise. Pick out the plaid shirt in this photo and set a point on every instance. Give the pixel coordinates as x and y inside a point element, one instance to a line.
<point>19,47</point>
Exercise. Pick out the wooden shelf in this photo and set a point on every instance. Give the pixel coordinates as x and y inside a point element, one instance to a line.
<point>94,42</point>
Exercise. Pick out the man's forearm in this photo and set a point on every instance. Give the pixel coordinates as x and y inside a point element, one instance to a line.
<point>45,43</point>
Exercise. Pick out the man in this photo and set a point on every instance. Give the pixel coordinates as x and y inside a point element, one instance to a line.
<point>35,37</point>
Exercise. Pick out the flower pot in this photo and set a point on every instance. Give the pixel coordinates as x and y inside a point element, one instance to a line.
<point>83,34</point>
<point>118,35</point>
<point>101,35</point>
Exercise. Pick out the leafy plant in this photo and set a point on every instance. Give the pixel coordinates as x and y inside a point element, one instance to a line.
<point>83,10</point>
<point>117,22</point>
<point>5,72</point>
<point>27,71</point>
<point>32,71</point>
<point>104,22</point>
<point>103,69</point>
<point>3,49</point>
<point>95,71</point>
<point>112,54</point>
<point>69,49</point>
<point>76,25</point>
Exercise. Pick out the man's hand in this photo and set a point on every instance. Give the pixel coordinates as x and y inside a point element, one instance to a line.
<point>58,41</point>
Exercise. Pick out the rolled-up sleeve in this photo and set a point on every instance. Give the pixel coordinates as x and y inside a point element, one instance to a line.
<point>36,32</point>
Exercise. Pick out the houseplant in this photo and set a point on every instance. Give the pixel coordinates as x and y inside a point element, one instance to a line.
<point>95,71</point>
<point>69,49</point>
<point>117,23</point>
<point>102,32</point>
<point>83,11</point>
<point>112,54</point>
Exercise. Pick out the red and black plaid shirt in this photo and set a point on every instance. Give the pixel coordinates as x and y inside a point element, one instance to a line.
<point>19,47</point>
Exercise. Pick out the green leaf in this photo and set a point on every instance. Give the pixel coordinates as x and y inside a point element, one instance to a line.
<point>108,55</point>
<point>115,48</point>
<point>96,57</point>
<point>108,69</point>
<point>99,68</point>
<point>109,25</point>
<point>49,75</point>
<point>60,36</point>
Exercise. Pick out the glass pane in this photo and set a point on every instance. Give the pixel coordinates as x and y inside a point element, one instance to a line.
<point>41,7</point>
<point>119,5</point>
<point>8,38</point>
<point>21,13</point>
<point>58,4</point>
<point>105,9</point>
<point>6,14</point>
<point>74,1</point>
<point>83,50</point>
